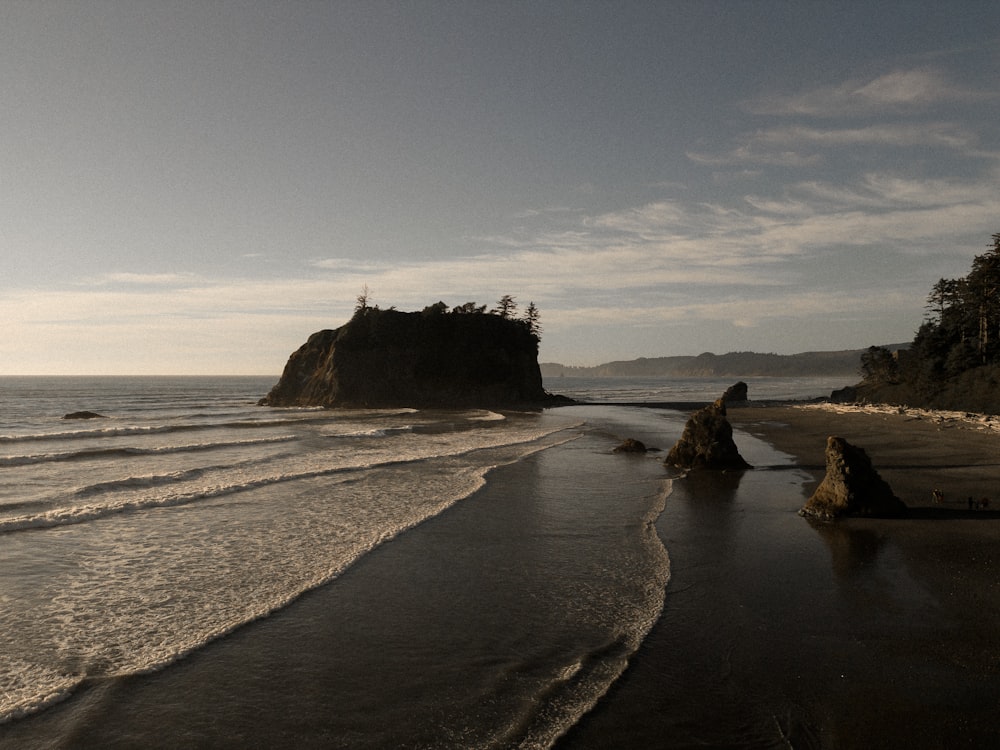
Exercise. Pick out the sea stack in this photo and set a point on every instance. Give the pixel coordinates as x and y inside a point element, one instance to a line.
<point>707,442</point>
<point>737,393</point>
<point>851,487</point>
<point>428,359</point>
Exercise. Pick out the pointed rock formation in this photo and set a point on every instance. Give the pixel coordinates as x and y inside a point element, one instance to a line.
<point>737,393</point>
<point>851,486</point>
<point>707,442</point>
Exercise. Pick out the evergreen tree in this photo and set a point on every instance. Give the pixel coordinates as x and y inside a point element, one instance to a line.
<point>962,330</point>
<point>506,307</point>
<point>469,308</point>
<point>984,291</point>
<point>879,366</point>
<point>532,320</point>
<point>362,300</point>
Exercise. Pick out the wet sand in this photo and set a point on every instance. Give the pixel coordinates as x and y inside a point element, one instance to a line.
<point>779,632</point>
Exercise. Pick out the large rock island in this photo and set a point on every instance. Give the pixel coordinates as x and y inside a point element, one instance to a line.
<point>433,358</point>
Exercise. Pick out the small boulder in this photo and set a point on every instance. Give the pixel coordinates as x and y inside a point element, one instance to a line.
<point>707,442</point>
<point>851,487</point>
<point>84,415</point>
<point>736,394</point>
<point>631,445</point>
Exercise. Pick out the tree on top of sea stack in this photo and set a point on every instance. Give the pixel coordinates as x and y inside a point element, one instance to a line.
<point>437,357</point>
<point>707,442</point>
<point>532,320</point>
<point>851,487</point>
<point>506,307</point>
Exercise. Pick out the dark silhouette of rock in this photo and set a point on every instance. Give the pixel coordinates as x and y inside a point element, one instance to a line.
<point>846,395</point>
<point>84,415</point>
<point>388,358</point>
<point>707,442</point>
<point>736,394</point>
<point>631,445</point>
<point>851,487</point>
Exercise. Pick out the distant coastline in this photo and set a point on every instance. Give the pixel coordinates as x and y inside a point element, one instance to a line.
<point>845,362</point>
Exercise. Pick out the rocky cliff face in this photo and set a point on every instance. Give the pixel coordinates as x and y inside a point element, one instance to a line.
<point>387,358</point>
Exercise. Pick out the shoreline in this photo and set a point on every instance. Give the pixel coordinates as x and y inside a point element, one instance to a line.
<point>775,631</point>
<point>781,631</point>
<point>915,450</point>
<point>486,625</point>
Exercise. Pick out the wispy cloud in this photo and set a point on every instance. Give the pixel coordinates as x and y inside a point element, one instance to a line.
<point>754,153</point>
<point>899,90</point>
<point>910,87</point>
<point>144,279</point>
<point>346,265</point>
<point>949,135</point>
<point>784,146</point>
<point>880,191</point>
<point>532,213</point>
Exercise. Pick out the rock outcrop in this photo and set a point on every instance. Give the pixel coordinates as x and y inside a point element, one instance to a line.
<point>434,358</point>
<point>707,442</point>
<point>851,487</point>
<point>846,395</point>
<point>737,393</point>
<point>631,445</point>
<point>84,415</point>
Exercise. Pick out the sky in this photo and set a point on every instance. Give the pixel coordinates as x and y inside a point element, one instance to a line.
<point>196,187</point>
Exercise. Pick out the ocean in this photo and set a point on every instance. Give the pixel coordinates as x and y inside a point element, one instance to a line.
<point>365,578</point>
<point>691,390</point>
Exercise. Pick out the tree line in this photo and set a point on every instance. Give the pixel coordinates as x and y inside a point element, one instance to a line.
<point>506,308</point>
<point>960,332</point>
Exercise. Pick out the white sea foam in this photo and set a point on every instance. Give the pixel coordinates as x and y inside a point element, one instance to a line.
<point>117,429</point>
<point>240,478</point>
<point>137,593</point>
<point>101,452</point>
<point>139,482</point>
<point>636,622</point>
<point>27,687</point>
<point>487,416</point>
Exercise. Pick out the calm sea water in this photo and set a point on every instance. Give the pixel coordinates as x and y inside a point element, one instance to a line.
<point>130,541</point>
<point>611,390</point>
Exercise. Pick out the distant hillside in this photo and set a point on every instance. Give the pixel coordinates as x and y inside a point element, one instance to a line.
<point>847,363</point>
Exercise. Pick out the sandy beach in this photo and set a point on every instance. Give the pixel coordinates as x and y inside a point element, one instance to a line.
<point>779,632</point>
<point>916,451</point>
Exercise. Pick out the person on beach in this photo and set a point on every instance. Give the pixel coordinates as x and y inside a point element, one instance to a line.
<point>938,496</point>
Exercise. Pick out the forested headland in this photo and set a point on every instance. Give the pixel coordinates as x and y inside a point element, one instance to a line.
<point>954,359</point>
